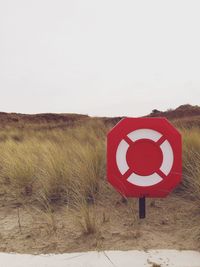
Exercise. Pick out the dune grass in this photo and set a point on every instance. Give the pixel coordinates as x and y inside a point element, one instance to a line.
<point>66,165</point>
<point>191,162</point>
<point>53,166</point>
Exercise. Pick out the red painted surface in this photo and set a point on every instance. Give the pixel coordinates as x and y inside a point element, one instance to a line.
<point>144,157</point>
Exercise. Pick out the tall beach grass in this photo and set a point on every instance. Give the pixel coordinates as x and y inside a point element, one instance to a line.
<point>53,165</point>
<point>191,162</point>
<point>66,165</point>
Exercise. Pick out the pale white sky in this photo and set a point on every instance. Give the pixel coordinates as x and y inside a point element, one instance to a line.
<point>99,57</point>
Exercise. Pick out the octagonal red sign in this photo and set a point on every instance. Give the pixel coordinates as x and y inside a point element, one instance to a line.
<point>144,157</point>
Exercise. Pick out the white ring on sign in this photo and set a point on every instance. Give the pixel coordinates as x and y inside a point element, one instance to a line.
<point>144,180</point>
<point>148,180</point>
<point>121,157</point>
<point>144,134</point>
<point>168,157</point>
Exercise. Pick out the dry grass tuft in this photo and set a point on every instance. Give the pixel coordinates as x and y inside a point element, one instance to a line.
<point>87,219</point>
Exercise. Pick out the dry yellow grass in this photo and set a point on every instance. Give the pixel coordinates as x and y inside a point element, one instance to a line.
<point>191,162</point>
<point>66,164</point>
<point>54,165</point>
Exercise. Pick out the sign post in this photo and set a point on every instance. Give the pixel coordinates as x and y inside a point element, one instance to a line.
<point>142,207</point>
<point>144,158</point>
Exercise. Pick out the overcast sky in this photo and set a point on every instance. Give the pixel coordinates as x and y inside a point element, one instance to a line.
<point>99,57</point>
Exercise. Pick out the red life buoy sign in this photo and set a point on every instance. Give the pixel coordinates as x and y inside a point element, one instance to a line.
<point>144,157</point>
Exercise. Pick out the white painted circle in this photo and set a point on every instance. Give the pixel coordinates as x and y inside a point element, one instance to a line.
<point>148,180</point>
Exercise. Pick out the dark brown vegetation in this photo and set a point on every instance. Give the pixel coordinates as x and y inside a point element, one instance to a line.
<point>185,115</point>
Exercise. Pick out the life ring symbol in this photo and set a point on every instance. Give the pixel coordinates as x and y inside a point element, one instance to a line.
<point>156,177</point>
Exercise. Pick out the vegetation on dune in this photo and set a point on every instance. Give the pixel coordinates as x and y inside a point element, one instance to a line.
<point>43,165</point>
<point>56,197</point>
<point>66,165</point>
<point>191,162</point>
<point>53,165</point>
